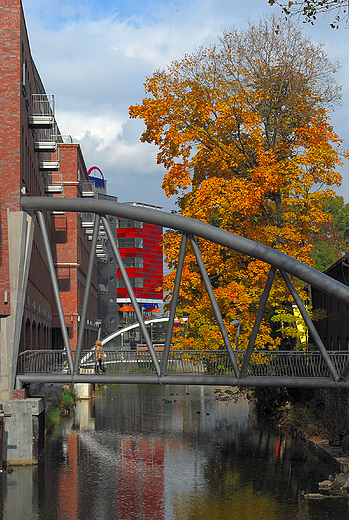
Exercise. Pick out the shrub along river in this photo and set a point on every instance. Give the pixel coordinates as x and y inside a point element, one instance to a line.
<point>168,453</point>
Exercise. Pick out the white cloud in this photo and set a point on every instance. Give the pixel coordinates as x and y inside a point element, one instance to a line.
<point>95,60</point>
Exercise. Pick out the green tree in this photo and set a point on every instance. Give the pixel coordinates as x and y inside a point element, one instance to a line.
<point>332,239</point>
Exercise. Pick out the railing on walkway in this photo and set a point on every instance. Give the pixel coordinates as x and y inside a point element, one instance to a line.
<point>284,364</point>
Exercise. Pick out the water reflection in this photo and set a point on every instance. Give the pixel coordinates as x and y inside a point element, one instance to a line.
<point>167,453</point>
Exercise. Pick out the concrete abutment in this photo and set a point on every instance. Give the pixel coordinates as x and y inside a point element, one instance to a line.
<point>24,431</point>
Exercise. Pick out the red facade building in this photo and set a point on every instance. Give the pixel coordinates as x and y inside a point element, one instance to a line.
<point>141,250</point>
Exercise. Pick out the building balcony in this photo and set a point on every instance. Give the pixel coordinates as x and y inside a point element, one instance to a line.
<point>54,182</point>
<point>41,111</point>
<point>49,165</point>
<point>50,162</point>
<point>45,140</point>
<point>87,221</point>
<point>87,189</point>
<point>102,257</point>
<point>44,121</point>
<point>102,232</point>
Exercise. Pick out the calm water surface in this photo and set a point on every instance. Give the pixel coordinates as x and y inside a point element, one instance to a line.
<point>167,453</point>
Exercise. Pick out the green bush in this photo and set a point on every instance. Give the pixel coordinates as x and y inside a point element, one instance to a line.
<point>60,402</point>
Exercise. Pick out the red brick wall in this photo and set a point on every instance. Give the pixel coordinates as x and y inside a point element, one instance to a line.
<point>9,131</point>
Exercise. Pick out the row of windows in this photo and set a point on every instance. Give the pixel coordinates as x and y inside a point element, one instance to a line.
<point>133,262</point>
<point>130,242</point>
<point>127,223</point>
<point>135,282</point>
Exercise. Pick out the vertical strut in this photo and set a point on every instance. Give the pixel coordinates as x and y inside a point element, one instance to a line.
<point>214,304</point>
<point>55,288</point>
<point>258,320</point>
<point>310,325</point>
<point>174,302</point>
<point>131,295</point>
<point>88,280</point>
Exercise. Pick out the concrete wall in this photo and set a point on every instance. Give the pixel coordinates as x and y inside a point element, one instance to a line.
<point>24,431</point>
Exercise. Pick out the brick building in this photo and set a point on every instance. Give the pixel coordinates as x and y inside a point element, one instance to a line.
<point>35,161</point>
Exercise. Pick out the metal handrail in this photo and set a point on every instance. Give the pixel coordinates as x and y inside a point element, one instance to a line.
<point>295,364</point>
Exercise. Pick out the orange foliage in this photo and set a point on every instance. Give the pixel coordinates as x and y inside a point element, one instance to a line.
<point>243,133</point>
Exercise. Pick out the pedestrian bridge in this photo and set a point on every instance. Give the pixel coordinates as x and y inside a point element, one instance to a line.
<point>320,368</point>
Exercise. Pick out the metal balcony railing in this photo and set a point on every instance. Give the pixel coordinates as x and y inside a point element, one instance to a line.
<point>87,189</point>
<point>46,139</point>
<point>87,220</point>
<point>42,111</point>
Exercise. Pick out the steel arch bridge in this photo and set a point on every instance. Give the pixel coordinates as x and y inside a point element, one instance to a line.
<point>226,367</point>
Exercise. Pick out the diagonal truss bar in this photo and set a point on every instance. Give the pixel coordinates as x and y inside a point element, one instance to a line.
<point>88,281</point>
<point>131,295</point>
<point>55,288</point>
<point>258,320</point>
<point>310,325</point>
<point>214,303</point>
<point>345,371</point>
<point>174,301</point>
<point>200,229</point>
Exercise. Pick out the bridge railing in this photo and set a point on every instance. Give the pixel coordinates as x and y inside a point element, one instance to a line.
<point>294,364</point>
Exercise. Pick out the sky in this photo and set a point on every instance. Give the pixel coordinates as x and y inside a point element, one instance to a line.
<point>95,55</point>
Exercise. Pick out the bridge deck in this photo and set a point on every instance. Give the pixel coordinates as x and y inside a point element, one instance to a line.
<point>272,368</point>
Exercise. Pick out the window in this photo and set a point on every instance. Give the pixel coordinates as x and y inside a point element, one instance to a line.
<point>112,260</point>
<point>130,242</point>
<point>111,300</point>
<point>133,262</point>
<point>127,223</point>
<point>112,278</point>
<point>112,319</point>
<point>135,282</point>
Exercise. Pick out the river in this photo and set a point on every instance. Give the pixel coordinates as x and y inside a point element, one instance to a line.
<point>142,452</point>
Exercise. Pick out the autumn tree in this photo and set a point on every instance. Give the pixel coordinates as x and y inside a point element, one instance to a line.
<point>308,10</point>
<point>331,241</point>
<point>243,131</point>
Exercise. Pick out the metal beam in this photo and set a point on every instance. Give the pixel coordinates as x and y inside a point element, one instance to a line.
<point>185,380</point>
<point>88,280</point>
<point>174,301</point>
<point>131,295</point>
<point>310,325</point>
<point>214,303</point>
<point>55,288</point>
<point>197,228</point>
<point>258,320</point>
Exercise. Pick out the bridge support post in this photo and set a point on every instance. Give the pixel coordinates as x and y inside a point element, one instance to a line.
<point>131,295</point>
<point>86,294</point>
<point>24,431</point>
<point>214,304</point>
<point>258,320</point>
<point>310,325</point>
<point>175,293</point>
<point>56,290</point>
<point>20,239</point>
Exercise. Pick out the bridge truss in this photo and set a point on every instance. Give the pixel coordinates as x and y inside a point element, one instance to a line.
<point>228,367</point>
